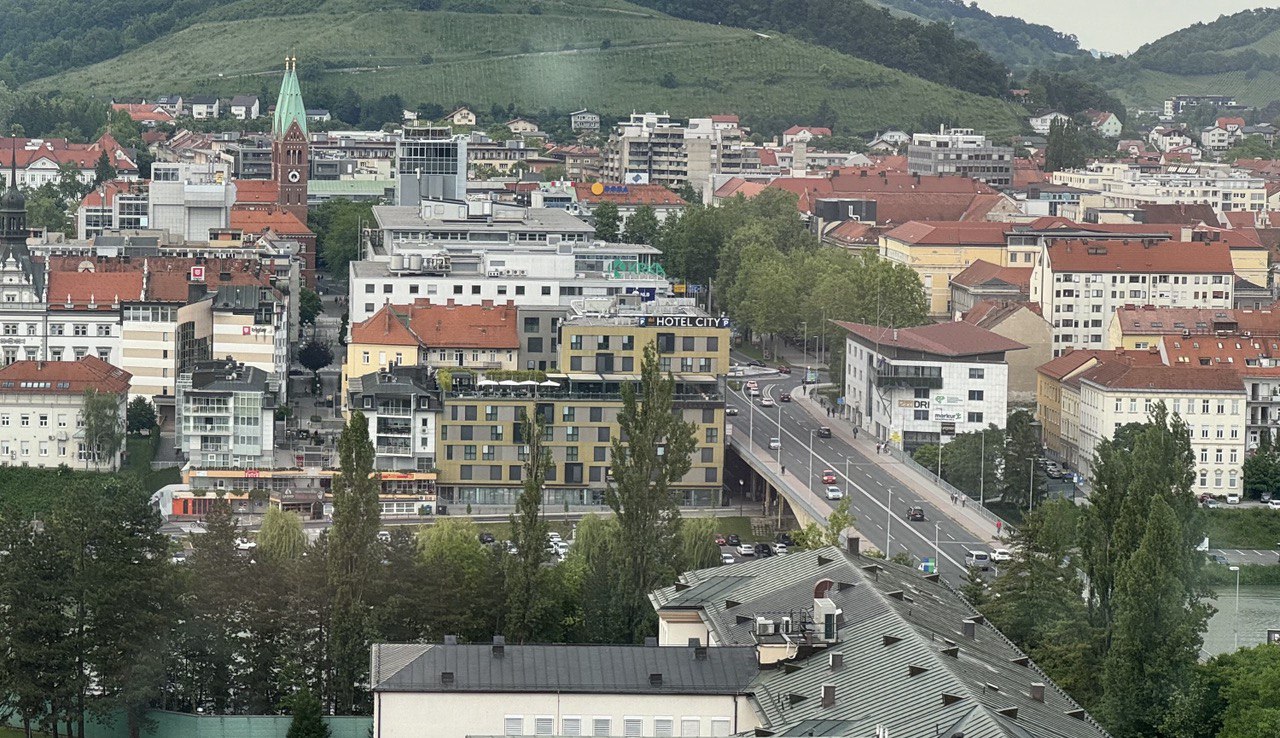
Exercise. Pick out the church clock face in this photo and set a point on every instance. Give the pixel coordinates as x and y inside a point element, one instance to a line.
<point>294,176</point>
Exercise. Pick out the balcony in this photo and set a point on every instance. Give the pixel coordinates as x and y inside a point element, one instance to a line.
<point>394,446</point>
<point>907,377</point>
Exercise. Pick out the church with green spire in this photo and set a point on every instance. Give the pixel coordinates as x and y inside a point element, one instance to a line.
<point>290,147</point>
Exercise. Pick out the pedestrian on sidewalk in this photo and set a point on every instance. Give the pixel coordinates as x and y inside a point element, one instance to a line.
<point>964,501</point>
<point>855,432</point>
<point>999,525</point>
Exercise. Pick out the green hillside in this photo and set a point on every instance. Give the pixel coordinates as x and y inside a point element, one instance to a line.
<point>1235,55</point>
<point>605,54</point>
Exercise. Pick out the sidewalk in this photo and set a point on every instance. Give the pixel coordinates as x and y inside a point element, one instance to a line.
<point>973,518</point>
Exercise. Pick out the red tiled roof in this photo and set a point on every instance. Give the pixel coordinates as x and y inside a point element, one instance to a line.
<point>105,194</point>
<point>853,232</point>
<point>1115,375</point>
<point>646,194</point>
<point>101,288</point>
<point>485,326</point>
<point>143,113</point>
<point>725,119</point>
<point>1181,213</point>
<point>739,186</point>
<point>60,151</point>
<point>256,191</point>
<point>63,377</point>
<point>1233,351</point>
<point>990,313</point>
<point>1225,121</point>
<point>1160,257</point>
<point>1241,218</point>
<point>275,219</point>
<point>955,233</point>
<point>940,339</point>
<point>815,130</point>
<point>899,198</point>
<point>983,272</point>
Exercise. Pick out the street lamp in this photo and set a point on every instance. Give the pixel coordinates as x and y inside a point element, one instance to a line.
<point>1236,625</point>
<point>1031,484</point>
<point>982,472</point>
<point>937,557</point>
<point>804,347</point>
<point>847,479</point>
<point>888,524</point>
<point>811,432</point>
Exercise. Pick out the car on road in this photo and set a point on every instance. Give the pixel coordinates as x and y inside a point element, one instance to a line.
<point>1273,503</point>
<point>720,539</point>
<point>486,538</point>
<point>977,560</point>
<point>752,384</point>
<point>1233,498</point>
<point>1052,470</point>
<point>828,476</point>
<point>767,402</point>
<point>775,443</point>
<point>764,549</point>
<point>730,410</point>
<point>553,536</point>
<point>732,539</point>
<point>746,549</point>
<point>784,369</point>
<point>834,492</point>
<point>784,397</point>
<point>727,558</point>
<point>755,362</point>
<point>753,391</point>
<point>1001,554</point>
<point>824,432</point>
<point>915,514</point>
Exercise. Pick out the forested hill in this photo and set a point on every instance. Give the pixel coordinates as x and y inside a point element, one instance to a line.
<point>1013,41</point>
<point>931,51</point>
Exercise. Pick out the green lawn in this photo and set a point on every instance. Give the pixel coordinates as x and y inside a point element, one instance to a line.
<point>140,455</point>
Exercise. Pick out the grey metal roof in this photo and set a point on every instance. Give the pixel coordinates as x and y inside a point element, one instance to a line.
<point>897,635</point>
<point>241,297</point>
<point>535,219</point>
<point>603,669</point>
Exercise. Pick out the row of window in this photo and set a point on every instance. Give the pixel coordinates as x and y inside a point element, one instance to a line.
<point>42,420</point>
<point>603,726</point>
<point>55,329</point>
<point>23,448</point>
<point>1203,406</point>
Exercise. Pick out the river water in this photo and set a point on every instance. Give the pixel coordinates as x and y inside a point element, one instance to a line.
<point>1259,610</point>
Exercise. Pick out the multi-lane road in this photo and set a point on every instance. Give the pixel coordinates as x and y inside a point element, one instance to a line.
<point>878,499</point>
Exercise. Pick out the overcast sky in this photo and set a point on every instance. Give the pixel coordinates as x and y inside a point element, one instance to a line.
<point>1119,25</point>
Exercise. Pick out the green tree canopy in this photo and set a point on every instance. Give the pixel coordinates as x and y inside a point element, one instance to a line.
<point>606,219</point>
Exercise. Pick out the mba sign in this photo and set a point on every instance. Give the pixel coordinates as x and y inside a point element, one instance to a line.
<point>681,321</point>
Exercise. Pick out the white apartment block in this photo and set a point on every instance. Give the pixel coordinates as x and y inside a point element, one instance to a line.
<point>188,200</point>
<point>1126,186</point>
<point>42,412</point>
<point>1212,401</point>
<point>917,386</point>
<point>226,416</point>
<point>402,406</point>
<point>1080,285</point>
<point>469,254</point>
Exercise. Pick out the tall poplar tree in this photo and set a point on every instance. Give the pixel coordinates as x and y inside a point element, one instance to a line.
<point>351,556</point>
<point>527,604</point>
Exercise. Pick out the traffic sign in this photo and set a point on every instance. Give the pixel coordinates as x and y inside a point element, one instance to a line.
<point>839,400</point>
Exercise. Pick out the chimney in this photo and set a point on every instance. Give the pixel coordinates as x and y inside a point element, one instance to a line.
<point>970,629</point>
<point>650,641</point>
<point>655,680</point>
<point>828,695</point>
<point>1037,691</point>
<point>451,640</point>
<point>835,660</point>
<point>700,653</point>
<point>499,646</point>
<point>694,642</point>
<point>446,677</point>
<point>852,544</point>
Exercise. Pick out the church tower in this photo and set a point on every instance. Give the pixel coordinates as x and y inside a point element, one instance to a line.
<point>290,149</point>
<point>13,216</point>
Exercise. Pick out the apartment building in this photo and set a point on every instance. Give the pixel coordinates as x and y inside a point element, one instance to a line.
<point>536,257</point>
<point>1145,326</point>
<point>960,151</point>
<point>114,205</point>
<point>917,386</point>
<point>42,412</point>
<point>1080,284</point>
<point>430,164</point>
<point>983,280</point>
<point>480,454</point>
<point>649,148</point>
<point>939,252</point>
<point>225,415</point>
<point>402,407</point>
<point>627,199</point>
<point>476,338</point>
<point>188,200</point>
<point>1124,185</point>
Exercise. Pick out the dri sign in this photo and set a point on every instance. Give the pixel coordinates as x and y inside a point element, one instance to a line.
<point>681,321</point>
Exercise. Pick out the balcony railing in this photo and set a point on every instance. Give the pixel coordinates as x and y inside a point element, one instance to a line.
<point>889,375</point>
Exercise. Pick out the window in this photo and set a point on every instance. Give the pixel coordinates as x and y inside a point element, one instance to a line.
<point>80,329</point>
<point>690,726</point>
<point>513,725</point>
<point>662,727</point>
<point>719,726</point>
<point>25,421</point>
<point>713,435</point>
<point>571,433</point>
<point>546,290</point>
<point>11,329</point>
<point>920,415</point>
<point>975,417</point>
<point>365,357</point>
<point>44,421</point>
<point>469,452</point>
<point>490,412</point>
<point>544,726</point>
<point>601,726</point>
<point>975,395</point>
<point>977,373</point>
<point>568,414</point>
<point>104,329</point>
<point>4,420</point>
<point>368,289</point>
<point>57,329</point>
<point>632,727</point>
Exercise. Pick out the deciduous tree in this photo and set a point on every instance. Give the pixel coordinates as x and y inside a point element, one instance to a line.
<point>606,219</point>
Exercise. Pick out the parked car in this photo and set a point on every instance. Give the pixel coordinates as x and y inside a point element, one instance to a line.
<point>730,410</point>
<point>784,397</point>
<point>780,549</point>
<point>746,549</point>
<point>775,443</point>
<point>727,558</point>
<point>784,369</point>
<point>486,538</point>
<point>720,540</point>
<point>977,559</point>
<point>1219,559</point>
<point>1001,554</point>
<point>755,362</point>
<point>767,402</point>
<point>785,538</point>
<point>1273,503</point>
<point>824,432</point>
<point>732,539</point>
<point>828,476</point>
<point>553,536</point>
<point>244,544</point>
<point>1233,498</point>
<point>764,549</point>
<point>834,492</point>
<point>915,514</point>
<point>1212,503</point>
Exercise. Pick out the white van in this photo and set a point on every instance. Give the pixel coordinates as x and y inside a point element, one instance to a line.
<point>979,559</point>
